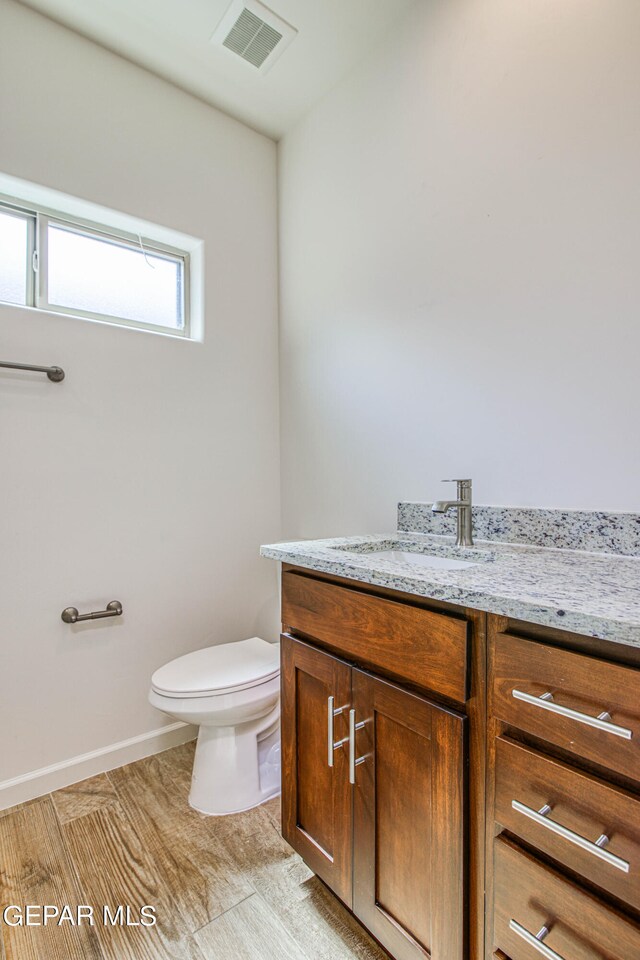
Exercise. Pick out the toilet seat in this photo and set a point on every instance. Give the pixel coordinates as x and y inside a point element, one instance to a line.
<point>212,671</point>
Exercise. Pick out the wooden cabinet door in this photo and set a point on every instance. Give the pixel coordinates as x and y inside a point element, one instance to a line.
<point>316,797</point>
<point>409,857</point>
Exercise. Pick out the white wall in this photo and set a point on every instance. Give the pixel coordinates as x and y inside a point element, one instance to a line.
<point>459,267</point>
<point>151,475</point>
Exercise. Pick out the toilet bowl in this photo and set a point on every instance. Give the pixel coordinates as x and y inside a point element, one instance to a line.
<point>232,692</point>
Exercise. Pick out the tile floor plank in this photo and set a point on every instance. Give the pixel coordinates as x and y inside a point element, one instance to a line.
<point>35,869</point>
<point>248,931</point>
<point>84,797</point>
<point>218,882</point>
<point>203,878</point>
<point>20,806</point>
<point>114,869</point>
<point>273,811</point>
<point>318,922</point>
<point>179,760</point>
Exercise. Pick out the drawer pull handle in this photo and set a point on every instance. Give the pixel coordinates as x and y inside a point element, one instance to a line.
<point>333,745</point>
<point>353,761</point>
<point>542,817</point>
<point>601,722</point>
<point>535,940</point>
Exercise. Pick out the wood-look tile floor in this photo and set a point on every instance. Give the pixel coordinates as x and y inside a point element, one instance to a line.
<point>224,888</point>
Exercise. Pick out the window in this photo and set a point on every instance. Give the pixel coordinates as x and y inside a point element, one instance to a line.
<point>55,263</point>
<point>16,256</point>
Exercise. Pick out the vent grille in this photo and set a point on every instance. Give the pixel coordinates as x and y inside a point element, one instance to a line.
<point>254,33</point>
<point>251,38</point>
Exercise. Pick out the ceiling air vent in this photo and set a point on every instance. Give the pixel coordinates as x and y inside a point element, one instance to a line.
<point>254,32</point>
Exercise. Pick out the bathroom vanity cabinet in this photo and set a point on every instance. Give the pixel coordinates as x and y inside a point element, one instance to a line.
<point>465,797</point>
<point>378,697</point>
<point>387,819</point>
<point>563,818</point>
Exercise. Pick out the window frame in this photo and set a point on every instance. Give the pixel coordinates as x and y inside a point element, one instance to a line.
<point>37,293</point>
<point>29,216</point>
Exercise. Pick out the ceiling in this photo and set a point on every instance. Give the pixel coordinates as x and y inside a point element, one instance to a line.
<point>172,38</point>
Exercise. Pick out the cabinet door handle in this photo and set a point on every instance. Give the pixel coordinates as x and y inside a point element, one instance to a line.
<point>353,762</point>
<point>542,817</point>
<point>601,722</point>
<point>535,940</point>
<point>333,745</point>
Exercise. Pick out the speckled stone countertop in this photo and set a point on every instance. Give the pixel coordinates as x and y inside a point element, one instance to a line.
<point>595,593</point>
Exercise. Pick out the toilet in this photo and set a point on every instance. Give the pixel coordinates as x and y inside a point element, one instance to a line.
<point>232,692</point>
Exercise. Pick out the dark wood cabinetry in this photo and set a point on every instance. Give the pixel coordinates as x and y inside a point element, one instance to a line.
<point>560,696</point>
<point>563,837</point>
<point>408,822</point>
<point>384,825</point>
<point>316,805</point>
<point>403,640</point>
<point>581,809</point>
<point>530,898</point>
<point>456,827</point>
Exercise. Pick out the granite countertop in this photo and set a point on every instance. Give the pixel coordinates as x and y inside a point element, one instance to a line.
<point>591,592</point>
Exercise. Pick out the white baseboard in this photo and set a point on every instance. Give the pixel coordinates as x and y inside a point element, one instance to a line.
<point>37,783</point>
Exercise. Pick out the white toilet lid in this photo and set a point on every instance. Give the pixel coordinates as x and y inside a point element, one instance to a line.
<point>221,669</point>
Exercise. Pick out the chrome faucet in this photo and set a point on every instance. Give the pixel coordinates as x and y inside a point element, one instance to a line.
<point>464,536</point>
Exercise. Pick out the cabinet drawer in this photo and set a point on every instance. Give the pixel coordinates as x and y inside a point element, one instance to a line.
<point>582,810</point>
<point>405,641</point>
<point>586,706</point>
<point>530,896</point>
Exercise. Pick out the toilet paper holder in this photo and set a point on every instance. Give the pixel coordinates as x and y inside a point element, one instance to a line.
<point>71,615</point>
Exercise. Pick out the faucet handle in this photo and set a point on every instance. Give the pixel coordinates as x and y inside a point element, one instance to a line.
<point>457,481</point>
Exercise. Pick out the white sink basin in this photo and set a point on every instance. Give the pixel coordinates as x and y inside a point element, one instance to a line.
<point>423,560</point>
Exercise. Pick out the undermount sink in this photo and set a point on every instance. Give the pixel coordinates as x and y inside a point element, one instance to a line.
<point>423,560</point>
<point>412,554</point>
